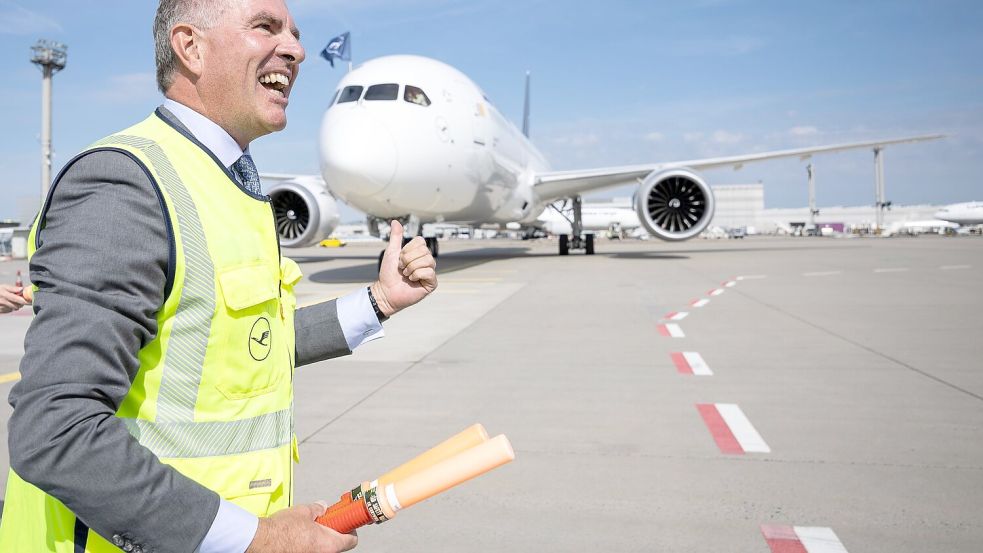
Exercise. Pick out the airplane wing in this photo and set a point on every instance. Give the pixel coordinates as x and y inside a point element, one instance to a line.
<point>563,184</point>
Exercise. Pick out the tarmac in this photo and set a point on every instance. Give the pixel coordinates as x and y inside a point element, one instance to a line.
<point>844,411</point>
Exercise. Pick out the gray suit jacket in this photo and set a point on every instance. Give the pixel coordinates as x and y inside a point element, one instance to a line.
<point>101,272</point>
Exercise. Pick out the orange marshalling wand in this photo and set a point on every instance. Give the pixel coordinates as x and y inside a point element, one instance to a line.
<point>460,458</point>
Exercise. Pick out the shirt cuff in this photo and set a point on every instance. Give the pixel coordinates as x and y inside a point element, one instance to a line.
<point>232,530</point>
<point>358,320</point>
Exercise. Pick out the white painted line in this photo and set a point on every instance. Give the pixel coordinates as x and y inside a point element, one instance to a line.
<point>697,364</point>
<point>954,267</point>
<point>751,277</point>
<point>821,273</point>
<point>716,291</point>
<point>700,303</point>
<point>891,270</point>
<point>818,539</point>
<point>671,330</point>
<point>742,428</point>
<point>676,316</point>
<point>730,284</point>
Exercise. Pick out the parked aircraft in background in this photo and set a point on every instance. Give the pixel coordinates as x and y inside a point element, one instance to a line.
<point>613,219</point>
<point>411,138</point>
<point>965,214</point>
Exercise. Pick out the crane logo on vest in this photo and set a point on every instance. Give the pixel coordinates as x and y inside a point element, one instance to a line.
<point>260,339</point>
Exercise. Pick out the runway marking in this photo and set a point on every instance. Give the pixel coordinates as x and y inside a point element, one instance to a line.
<point>730,284</point>
<point>801,539</point>
<point>751,277</point>
<point>821,273</point>
<point>675,316</point>
<point>731,429</point>
<point>715,292</point>
<point>699,303</point>
<point>892,270</point>
<point>9,377</point>
<point>671,330</point>
<point>954,267</point>
<point>690,362</point>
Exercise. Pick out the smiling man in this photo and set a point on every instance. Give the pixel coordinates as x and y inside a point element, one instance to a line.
<point>155,412</point>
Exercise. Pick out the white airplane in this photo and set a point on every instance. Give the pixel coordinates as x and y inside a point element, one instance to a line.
<point>965,214</point>
<point>413,139</point>
<point>616,219</point>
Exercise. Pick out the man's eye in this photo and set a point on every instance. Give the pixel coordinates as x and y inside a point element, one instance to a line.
<point>266,27</point>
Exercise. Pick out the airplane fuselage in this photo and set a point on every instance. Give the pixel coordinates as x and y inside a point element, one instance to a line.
<point>408,135</point>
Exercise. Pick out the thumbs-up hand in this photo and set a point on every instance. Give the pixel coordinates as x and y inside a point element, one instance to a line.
<point>407,275</point>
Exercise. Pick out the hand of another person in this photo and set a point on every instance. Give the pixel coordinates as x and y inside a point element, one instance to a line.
<point>294,530</point>
<point>11,298</point>
<point>407,274</point>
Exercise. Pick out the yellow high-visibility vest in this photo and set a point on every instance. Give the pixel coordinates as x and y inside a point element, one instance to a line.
<point>213,396</point>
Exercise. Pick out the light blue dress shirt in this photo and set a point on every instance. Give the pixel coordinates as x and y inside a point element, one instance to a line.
<point>234,528</point>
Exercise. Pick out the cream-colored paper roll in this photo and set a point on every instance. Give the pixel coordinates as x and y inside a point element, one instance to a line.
<point>452,471</point>
<point>464,440</point>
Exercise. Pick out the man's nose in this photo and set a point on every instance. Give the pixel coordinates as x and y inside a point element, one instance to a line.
<point>292,49</point>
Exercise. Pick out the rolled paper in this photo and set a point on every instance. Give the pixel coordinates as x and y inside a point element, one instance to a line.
<point>450,472</point>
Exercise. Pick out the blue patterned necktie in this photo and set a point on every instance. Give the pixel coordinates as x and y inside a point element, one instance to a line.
<point>247,174</point>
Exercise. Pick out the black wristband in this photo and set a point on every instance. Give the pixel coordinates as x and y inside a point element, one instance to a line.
<point>375,307</point>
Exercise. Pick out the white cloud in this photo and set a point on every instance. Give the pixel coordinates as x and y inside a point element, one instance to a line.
<point>806,130</point>
<point>723,46</point>
<point>577,139</point>
<point>654,137</point>
<point>725,137</point>
<point>692,136</point>
<point>128,87</point>
<point>18,20</point>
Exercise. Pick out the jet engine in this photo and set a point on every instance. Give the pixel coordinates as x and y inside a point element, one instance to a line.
<point>305,212</point>
<point>674,205</point>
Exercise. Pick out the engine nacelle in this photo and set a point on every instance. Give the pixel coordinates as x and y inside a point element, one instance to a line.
<point>674,205</point>
<point>305,212</point>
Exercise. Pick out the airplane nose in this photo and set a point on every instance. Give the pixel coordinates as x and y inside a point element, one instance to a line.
<point>358,153</point>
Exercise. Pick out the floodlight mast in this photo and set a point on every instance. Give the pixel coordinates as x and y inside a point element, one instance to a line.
<point>51,57</point>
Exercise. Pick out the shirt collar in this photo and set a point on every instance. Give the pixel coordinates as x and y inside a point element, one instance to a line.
<point>207,132</point>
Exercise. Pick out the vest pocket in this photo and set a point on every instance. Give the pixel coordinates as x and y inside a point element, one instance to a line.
<point>253,334</point>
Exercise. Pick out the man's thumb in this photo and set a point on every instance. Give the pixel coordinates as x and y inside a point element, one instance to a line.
<point>395,238</point>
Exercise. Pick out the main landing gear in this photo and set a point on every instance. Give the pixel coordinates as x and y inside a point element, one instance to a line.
<point>577,240</point>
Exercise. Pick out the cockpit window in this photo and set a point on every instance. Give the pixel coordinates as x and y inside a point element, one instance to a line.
<point>382,92</point>
<point>335,97</point>
<point>414,95</point>
<point>350,94</point>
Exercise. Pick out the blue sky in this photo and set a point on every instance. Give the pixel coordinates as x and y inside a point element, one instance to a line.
<point>615,82</point>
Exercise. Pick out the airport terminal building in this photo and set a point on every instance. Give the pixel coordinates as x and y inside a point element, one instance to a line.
<point>743,205</point>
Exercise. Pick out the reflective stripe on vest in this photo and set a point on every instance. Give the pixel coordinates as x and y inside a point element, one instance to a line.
<point>189,338</point>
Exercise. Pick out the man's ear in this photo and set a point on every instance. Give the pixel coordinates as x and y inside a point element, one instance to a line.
<point>186,43</point>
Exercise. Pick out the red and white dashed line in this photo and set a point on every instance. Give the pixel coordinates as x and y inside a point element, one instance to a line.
<point>732,431</point>
<point>690,362</point>
<point>801,539</point>
<point>715,292</point>
<point>675,316</point>
<point>671,330</point>
<point>730,284</point>
<point>699,303</point>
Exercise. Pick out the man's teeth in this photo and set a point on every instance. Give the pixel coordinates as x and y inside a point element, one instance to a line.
<point>275,78</point>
